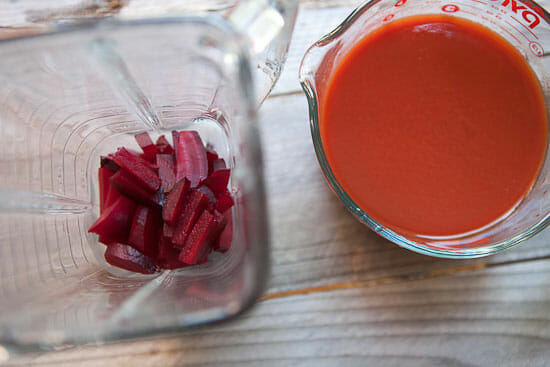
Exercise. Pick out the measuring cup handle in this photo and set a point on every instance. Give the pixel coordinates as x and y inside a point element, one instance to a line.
<point>268,25</point>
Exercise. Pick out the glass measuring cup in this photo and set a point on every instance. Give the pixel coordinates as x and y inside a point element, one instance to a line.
<point>525,25</point>
<point>79,90</point>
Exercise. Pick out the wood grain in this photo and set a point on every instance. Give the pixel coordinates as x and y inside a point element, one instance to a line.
<point>493,317</point>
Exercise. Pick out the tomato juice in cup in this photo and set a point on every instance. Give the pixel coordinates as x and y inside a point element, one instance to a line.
<point>430,122</point>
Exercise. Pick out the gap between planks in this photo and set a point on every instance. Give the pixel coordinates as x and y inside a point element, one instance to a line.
<point>397,279</point>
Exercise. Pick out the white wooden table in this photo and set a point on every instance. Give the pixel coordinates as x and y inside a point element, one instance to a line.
<point>341,296</point>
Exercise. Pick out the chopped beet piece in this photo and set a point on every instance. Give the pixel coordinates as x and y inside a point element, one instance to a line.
<point>202,236</point>
<point>112,195</point>
<point>175,135</point>
<point>127,185</point>
<point>146,144</point>
<point>108,163</point>
<point>141,173</point>
<point>167,256</point>
<point>152,166</point>
<point>206,191</point>
<point>105,241</point>
<point>104,186</point>
<point>126,257</point>
<point>218,181</point>
<point>114,223</point>
<point>168,230</point>
<point>174,201</point>
<point>139,157</point>
<point>218,164</point>
<point>191,161</point>
<point>144,231</point>
<point>211,156</point>
<point>167,173</point>
<point>224,202</point>
<point>192,209</point>
<point>223,243</point>
<point>163,146</point>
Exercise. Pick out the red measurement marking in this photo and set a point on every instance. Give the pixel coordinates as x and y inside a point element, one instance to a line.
<point>481,2</point>
<point>524,26</point>
<point>517,30</point>
<point>475,7</point>
<point>450,8</point>
<point>400,2</point>
<point>536,48</point>
<point>387,18</point>
<point>511,35</point>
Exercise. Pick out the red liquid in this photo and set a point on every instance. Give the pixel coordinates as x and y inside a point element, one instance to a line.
<point>434,126</point>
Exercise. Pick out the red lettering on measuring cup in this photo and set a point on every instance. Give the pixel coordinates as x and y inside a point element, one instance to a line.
<point>536,48</point>
<point>527,15</point>
<point>450,8</point>
<point>388,17</point>
<point>534,21</point>
<point>515,6</point>
<point>400,2</point>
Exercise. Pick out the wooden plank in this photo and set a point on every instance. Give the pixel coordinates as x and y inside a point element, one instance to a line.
<point>27,13</point>
<point>499,316</point>
<point>315,241</point>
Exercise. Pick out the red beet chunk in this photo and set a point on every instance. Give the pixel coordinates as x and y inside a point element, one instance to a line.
<point>168,230</point>
<point>218,164</point>
<point>167,174</point>
<point>127,185</point>
<point>126,257</point>
<point>192,209</point>
<point>141,173</point>
<point>104,186</point>
<point>146,144</point>
<point>113,225</point>
<point>174,202</point>
<point>204,233</point>
<point>108,163</point>
<point>206,191</point>
<point>167,257</point>
<point>144,231</point>
<point>211,156</point>
<point>218,181</point>
<point>105,241</point>
<point>175,136</point>
<point>139,157</point>
<point>191,161</point>
<point>224,202</point>
<point>223,243</point>
<point>152,166</point>
<point>163,146</point>
<point>112,195</point>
